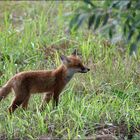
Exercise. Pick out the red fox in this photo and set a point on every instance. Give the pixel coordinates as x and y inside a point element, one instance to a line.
<point>50,83</point>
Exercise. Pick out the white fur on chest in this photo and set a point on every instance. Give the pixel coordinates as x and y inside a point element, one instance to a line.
<point>69,75</point>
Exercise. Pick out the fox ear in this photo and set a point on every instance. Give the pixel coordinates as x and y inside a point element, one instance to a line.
<point>64,59</point>
<point>74,52</point>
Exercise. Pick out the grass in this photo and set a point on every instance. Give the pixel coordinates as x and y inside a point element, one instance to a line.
<point>108,94</point>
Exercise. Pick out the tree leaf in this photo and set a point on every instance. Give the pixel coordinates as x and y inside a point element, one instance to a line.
<point>133,48</point>
<point>137,5</point>
<point>90,3</point>
<point>80,21</point>
<point>130,34</point>
<point>138,37</point>
<point>110,32</point>
<point>98,19</point>
<point>106,17</point>
<point>91,20</point>
<point>134,14</point>
<point>115,4</point>
<point>123,4</point>
<point>128,5</point>
<point>124,29</point>
<point>74,21</point>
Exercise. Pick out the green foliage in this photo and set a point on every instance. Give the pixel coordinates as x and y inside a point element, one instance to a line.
<point>120,20</point>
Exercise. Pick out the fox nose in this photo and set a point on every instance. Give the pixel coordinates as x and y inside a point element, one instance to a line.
<point>85,70</point>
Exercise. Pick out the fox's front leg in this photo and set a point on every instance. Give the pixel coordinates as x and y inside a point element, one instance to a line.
<point>56,98</point>
<point>46,99</point>
<point>55,101</point>
<point>58,89</point>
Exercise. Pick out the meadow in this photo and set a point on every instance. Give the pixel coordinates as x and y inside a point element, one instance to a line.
<point>101,104</point>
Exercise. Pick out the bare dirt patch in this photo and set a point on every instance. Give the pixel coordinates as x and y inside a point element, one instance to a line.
<point>112,132</point>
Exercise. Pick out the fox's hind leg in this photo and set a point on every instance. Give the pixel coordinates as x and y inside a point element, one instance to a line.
<point>46,99</point>
<point>21,94</point>
<point>16,103</point>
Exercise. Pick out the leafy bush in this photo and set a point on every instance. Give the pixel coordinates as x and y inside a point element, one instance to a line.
<point>119,20</point>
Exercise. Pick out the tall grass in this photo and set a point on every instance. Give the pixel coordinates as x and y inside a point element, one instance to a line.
<point>109,93</point>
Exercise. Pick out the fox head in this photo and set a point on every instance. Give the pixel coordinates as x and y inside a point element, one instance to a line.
<point>74,64</point>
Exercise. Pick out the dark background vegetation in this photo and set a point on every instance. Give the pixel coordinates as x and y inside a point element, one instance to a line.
<point>117,20</point>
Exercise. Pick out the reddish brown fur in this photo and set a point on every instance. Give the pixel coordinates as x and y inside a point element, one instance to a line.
<point>49,82</point>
